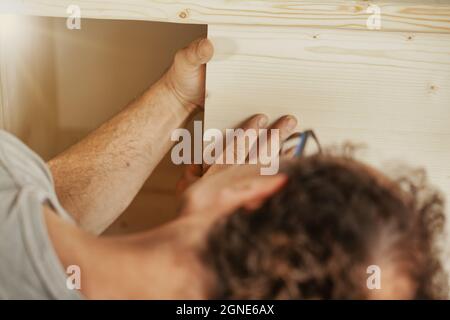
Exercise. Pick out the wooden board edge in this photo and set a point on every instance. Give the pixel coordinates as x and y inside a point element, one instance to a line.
<point>396,15</point>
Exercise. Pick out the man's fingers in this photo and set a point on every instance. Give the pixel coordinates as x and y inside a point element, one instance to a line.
<point>286,126</point>
<point>247,144</point>
<point>244,138</point>
<point>249,141</point>
<point>272,143</point>
<point>195,55</point>
<point>255,122</point>
<point>205,51</point>
<point>236,150</point>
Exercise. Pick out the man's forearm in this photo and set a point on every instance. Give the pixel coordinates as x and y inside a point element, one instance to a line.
<point>97,178</point>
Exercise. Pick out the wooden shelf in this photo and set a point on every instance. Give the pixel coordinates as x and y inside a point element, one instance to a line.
<point>397,15</point>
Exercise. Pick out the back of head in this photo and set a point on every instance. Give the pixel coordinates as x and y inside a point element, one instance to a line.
<point>317,237</point>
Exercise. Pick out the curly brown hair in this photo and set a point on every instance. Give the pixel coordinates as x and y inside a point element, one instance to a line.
<point>315,238</point>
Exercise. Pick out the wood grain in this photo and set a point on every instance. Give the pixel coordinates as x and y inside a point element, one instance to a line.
<point>397,15</point>
<point>390,91</point>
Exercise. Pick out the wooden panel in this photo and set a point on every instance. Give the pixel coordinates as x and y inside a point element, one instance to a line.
<point>400,15</point>
<point>27,81</point>
<point>3,79</point>
<point>2,83</point>
<point>390,91</point>
<point>106,64</point>
<point>3,69</point>
<point>2,123</point>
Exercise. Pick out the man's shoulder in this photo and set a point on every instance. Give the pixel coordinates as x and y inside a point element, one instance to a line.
<point>29,267</point>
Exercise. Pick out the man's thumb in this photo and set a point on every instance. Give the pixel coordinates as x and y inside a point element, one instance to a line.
<point>196,54</point>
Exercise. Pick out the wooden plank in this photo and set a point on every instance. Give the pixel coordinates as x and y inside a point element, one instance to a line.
<point>2,123</point>
<point>3,100</point>
<point>397,15</point>
<point>3,79</point>
<point>390,91</point>
<point>27,78</point>
<point>102,67</point>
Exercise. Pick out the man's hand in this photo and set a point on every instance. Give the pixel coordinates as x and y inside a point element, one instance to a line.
<point>195,172</point>
<point>186,77</point>
<point>221,189</point>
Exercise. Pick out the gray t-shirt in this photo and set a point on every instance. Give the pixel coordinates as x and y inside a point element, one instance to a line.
<point>29,266</point>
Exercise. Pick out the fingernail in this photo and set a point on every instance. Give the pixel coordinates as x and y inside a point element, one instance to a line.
<point>291,122</point>
<point>262,121</point>
<point>202,50</point>
<point>201,43</point>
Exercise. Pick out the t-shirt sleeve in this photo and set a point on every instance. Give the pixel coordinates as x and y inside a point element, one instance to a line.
<point>29,266</point>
